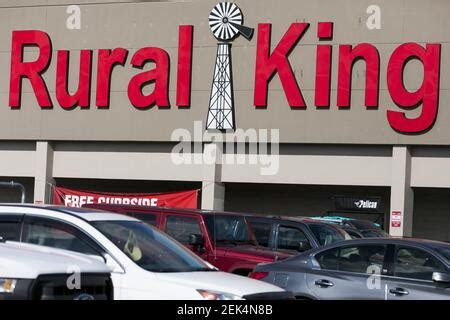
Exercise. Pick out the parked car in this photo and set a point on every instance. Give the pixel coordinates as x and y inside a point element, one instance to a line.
<point>222,238</point>
<point>145,263</point>
<point>31,272</point>
<point>358,228</point>
<point>391,269</point>
<point>294,234</point>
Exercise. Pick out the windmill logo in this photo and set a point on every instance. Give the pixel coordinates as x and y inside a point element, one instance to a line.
<point>226,23</point>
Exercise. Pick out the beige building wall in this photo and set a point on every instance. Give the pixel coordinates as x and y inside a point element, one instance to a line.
<point>321,151</point>
<point>347,169</point>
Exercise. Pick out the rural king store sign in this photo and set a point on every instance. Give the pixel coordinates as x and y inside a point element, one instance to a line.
<point>271,58</point>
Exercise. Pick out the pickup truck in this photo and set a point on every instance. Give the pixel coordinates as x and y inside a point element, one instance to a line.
<point>31,272</point>
<point>224,239</point>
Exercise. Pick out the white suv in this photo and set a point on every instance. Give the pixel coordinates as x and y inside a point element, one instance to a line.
<point>145,263</point>
<point>39,273</point>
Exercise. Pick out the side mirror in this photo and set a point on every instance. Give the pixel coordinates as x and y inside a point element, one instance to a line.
<point>196,240</point>
<point>441,277</point>
<point>303,246</point>
<point>113,264</point>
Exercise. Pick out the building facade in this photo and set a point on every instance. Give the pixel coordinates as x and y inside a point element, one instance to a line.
<point>349,97</point>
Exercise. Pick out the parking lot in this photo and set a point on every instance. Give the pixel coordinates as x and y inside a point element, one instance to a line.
<point>208,150</point>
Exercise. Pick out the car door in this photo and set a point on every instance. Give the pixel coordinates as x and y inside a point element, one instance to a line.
<point>412,275</point>
<point>348,272</point>
<point>62,235</point>
<point>10,226</point>
<point>58,234</point>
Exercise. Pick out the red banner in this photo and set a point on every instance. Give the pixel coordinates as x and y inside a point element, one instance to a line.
<point>77,198</point>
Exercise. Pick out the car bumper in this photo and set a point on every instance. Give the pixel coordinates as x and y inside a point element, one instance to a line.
<point>282,295</point>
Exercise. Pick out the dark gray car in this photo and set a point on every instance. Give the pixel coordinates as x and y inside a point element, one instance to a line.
<point>294,234</point>
<point>377,268</point>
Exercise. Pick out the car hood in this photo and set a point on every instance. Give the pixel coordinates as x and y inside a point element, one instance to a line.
<point>219,281</point>
<point>27,261</point>
<point>258,252</point>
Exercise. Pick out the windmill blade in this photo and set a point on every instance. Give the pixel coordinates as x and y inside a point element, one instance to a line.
<point>245,31</point>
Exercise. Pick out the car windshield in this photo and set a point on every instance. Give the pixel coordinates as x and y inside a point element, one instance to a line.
<point>374,233</point>
<point>149,248</point>
<point>228,228</point>
<point>363,224</point>
<point>327,234</point>
<point>445,252</point>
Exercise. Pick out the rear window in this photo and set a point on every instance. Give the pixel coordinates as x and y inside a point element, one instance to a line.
<point>262,232</point>
<point>148,218</point>
<point>227,228</point>
<point>326,234</point>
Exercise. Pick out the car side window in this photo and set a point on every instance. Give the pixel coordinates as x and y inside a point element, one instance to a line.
<point>180,227</point>
<point>148,218</point>
<point>329,259</point>
<point>59,235</point>
<point>289,238</point>
<point>9,230</point>
<point>262,232</point>
<point>415,263</point>
<point>361,259</point>
<point>357,259</point>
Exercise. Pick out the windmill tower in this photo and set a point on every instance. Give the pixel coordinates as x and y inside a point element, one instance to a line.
<point>225,21</point>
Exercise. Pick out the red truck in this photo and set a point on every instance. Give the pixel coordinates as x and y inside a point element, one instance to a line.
<point>223,239</point>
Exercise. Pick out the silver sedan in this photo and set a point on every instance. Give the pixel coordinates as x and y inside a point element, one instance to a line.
<point>378,268</point>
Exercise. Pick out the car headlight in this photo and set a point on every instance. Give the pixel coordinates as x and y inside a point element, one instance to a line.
<point>216,295</point>
<point>7,285</point>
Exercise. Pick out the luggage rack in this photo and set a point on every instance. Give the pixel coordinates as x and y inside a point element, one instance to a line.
<point>348,214</point>
<point>14,185</point>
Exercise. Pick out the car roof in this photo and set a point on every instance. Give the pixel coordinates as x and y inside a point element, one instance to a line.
<point>398,241</point>
<point>301,219</point>
<point>163,209</point>
<point>86,214</point>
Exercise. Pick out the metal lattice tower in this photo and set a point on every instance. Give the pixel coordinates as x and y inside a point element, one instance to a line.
<point>225,22</point>
<point>221,104</point>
